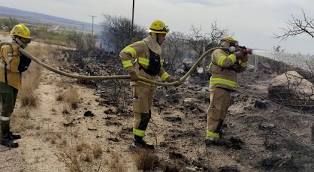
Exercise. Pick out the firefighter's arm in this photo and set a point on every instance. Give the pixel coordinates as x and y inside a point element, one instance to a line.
<point>223,60</point>
<point>129,57</point>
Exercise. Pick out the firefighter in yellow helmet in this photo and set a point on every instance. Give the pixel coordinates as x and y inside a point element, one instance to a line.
<point>225,64</point>
<point>12,64</point>
<point>143,58</point>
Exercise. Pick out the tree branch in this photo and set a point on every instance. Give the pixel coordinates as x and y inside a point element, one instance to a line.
<point>297,26</point>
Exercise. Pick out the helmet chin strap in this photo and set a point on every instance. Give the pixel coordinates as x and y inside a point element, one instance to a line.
<point>19,42</point>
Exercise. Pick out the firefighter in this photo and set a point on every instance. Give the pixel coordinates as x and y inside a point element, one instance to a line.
<point>12,64</point>
<point>225,64</point>
<point>143,58</point>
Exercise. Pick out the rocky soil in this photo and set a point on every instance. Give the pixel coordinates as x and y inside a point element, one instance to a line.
<point>87,126</point>
<point>275,137</point>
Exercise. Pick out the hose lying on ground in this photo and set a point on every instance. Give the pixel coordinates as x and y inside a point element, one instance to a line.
<point>111,77</point>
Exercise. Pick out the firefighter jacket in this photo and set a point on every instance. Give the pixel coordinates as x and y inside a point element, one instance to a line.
<point>143,57</point>
<point>9,64</point>
<point>224,68</point>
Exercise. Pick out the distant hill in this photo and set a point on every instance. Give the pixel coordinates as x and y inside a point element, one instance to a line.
<point>33,17</point>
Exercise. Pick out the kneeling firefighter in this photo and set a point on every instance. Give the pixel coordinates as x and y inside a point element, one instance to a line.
<point>143,59</point>
<point>12,64</point>
<point>225,64</point>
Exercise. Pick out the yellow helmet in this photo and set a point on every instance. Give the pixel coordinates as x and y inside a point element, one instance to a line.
<point>229,39</point>
<point>21,30</point>
<point>158,26</point>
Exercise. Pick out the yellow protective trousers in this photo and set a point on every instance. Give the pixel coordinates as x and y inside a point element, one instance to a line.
<point>220,99</point>
<point>142,102</point>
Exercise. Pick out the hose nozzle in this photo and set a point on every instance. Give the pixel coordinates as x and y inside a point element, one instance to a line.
<point>249,51</point>
<point>246,50</point>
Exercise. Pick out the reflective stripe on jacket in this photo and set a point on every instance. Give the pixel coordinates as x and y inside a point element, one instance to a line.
<point>137,55</point>
<point>9,63</point>
<point>223,69</point>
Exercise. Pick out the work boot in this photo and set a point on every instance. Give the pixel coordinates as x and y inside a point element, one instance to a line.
<point>233,143</point>
<point>236,143</point>
<point>14,136</point>
<point>217,142</point>
<point>8,142</point>
<point>220,127</point>
<point>140,143</point>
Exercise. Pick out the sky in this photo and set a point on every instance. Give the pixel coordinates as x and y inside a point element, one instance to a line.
<point>253,22</point>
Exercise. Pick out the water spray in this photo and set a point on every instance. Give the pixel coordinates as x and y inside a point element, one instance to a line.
<point>257,51</point>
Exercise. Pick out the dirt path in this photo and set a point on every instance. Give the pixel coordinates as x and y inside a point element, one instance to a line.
<point>50,129</point>
<point>56,136</point>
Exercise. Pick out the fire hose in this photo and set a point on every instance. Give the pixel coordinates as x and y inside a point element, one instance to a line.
<point>112,77</point>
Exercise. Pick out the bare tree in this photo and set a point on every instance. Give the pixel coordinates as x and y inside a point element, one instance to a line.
<point>197,40</point>
<point>117,32</point>
<point>179,48</point>
<point>200,41</point>
<point>174,50</point>
<point>8,23</point>
<point>81,41</point>
<point>297,26</point>
<point>216,34</point>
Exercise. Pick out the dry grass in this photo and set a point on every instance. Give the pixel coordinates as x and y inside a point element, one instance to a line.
<point>94,150</point>
<point>31,78</point>
<point>71,96</point>
<point>86,157</point>
<point>82,157</point>
<point>59,98</point>
<point>71,160</point>
<point>41,51</point>
<point>82,146</point>
<point>30,82</point>
<point>145,160</point>
<point>97,151</point>
<point>54,138</point>
<point>65,109</point>
<point>117,164</point>
<point>21,120</point>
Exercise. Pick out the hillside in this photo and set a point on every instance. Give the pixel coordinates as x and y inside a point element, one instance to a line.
<point>33,17</point>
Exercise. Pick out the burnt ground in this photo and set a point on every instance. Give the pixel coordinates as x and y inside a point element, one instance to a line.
<point>94,133</point>
<point>275,138</point>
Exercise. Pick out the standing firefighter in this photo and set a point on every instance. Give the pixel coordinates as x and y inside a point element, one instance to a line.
<point>226,63</point>
<point>12,64</point>
<point>143,59</point>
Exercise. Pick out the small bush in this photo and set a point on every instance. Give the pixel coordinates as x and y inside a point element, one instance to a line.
<point>82,146</point>
<point>116,163</point>
<point>145,160</point>
<point>70,96</point>
<point>71,161</point>
<point>97,151</point>
<point>8,23</point>
<point>30,83</point>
